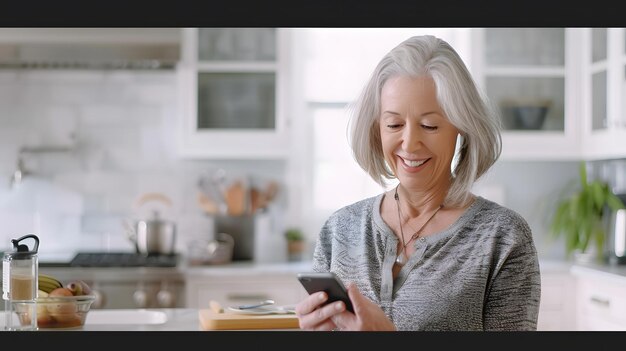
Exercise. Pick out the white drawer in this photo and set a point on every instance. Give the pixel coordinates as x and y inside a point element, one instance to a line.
<point>595,323</point>
<point>603,299</point>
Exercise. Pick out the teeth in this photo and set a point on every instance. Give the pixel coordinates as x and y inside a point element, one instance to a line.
<point>414,163</point>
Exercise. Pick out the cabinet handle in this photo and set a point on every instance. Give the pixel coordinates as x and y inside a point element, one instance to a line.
<point>600,301</point>
<point>246,297</point>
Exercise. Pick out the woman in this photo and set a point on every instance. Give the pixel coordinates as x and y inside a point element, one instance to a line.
<point>427,254</point>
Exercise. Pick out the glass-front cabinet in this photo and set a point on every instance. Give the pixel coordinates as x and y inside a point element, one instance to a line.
<point>233,96</point>
<point>604,82</point>
<point>530,76</point>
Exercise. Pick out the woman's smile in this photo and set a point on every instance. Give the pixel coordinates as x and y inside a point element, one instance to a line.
<point>414,165</point>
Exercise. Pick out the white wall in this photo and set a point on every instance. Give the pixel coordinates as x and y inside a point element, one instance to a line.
<point>123,125</point>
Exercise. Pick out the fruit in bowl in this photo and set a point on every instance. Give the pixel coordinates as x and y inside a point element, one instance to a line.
<point>58,305</point>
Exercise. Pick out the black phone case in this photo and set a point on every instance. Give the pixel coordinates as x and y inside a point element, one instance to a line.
<point>328,282</point>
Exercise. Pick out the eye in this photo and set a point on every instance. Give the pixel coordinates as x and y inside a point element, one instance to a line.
<point>394,126</point>
<point>429,128</point>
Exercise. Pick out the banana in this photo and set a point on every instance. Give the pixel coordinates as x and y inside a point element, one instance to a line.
<point>47,288</point>
<point>48,278</point>
<point>48,283</point>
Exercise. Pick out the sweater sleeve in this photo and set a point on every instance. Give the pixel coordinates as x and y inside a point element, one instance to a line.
<point>512,301</point>
<point>323,249</point>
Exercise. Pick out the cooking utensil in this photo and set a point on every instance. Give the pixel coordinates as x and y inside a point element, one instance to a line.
<point>262,303</point>
<point>236,198</point>
<point>153,197</point>
<point>256,200</point>
<point>271,191</point>
<point>215,306</point>
<point>217,180</point>
<point>155,235</point>
<point>208,205</point>
<point>212,193</point>
<point>264,310</point>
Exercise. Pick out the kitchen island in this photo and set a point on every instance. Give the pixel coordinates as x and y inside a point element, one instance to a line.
<point>134,320</point>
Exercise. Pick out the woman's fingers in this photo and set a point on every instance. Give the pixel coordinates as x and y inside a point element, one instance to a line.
<point>314,315</point>
<point>310,303</point>
<point>355,297</point>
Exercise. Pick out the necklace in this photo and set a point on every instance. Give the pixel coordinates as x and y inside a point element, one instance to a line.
<point>402,258</point>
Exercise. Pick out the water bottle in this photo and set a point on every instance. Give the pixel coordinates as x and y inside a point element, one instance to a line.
<point>20,272</point>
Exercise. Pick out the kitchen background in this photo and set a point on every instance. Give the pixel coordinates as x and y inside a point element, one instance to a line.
<point>102,138</point>
<point>94,121</point>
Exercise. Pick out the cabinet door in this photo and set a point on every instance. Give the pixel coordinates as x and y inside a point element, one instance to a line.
<point>600,303</point>
<point>557,308</point>
<point>528,73</point>
<point>604,127</point>
<point>233,92</point>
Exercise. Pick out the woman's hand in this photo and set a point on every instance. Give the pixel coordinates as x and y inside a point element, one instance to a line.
<point>313,316</point>
<point>367,315</point>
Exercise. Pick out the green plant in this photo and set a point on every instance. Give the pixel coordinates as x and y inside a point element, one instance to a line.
<point>579,217</point>
<point>294,234</point>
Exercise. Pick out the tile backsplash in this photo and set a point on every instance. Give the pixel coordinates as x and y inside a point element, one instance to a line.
<point>116,130</point>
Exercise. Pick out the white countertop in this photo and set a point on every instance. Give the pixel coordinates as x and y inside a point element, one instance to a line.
<point>554,266</point>
<point>176,319</point>
<point>610,271</point>
<point>153,319</point>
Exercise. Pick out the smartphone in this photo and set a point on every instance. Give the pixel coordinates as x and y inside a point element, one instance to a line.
<point>328,282</point>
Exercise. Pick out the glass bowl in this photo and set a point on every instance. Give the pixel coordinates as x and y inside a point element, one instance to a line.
<point>58,311</point>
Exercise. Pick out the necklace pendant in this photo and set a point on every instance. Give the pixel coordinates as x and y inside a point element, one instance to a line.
<point>401,259</point>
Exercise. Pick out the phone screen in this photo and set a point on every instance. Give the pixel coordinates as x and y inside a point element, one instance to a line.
<point>328,282</point>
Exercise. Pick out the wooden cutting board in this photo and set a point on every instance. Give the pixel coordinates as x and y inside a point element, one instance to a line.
<point>209,320</point>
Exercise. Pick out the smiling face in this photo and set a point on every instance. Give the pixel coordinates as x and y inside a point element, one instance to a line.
<point>417,139</point>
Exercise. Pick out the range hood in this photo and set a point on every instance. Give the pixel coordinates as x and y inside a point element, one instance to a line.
<point>89,48</point>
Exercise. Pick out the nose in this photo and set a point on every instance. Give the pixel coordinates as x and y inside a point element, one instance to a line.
<point>411,138</point>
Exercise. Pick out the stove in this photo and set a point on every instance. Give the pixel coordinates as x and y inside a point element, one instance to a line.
<point>124,279</point>
<point>123,259</point>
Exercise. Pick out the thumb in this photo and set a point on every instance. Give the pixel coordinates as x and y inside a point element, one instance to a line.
<point>355,297</point>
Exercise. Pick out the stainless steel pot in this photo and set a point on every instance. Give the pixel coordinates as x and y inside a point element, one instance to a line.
<point>154,236</point>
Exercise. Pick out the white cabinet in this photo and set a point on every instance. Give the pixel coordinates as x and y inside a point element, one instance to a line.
<point>604,103</point>
<point>242,288</point>
<point>233,93</point>
<point>557,306</point>
<point>600,300</point>
<point>579,73</point>
<point>526,69</point>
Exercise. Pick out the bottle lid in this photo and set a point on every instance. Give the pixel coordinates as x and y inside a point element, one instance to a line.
<point>22,251</point>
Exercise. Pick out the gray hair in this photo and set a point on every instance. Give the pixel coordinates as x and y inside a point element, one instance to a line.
<point>464,104</point>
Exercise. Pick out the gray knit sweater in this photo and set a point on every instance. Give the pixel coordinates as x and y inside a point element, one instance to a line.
<point>481,273</point>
